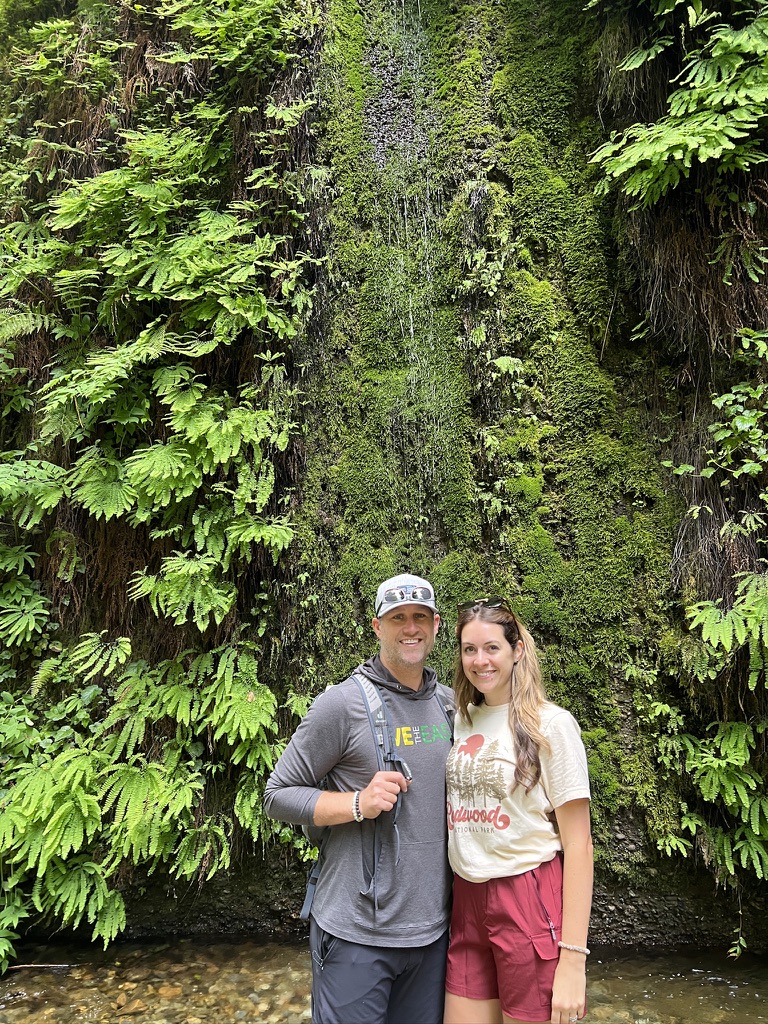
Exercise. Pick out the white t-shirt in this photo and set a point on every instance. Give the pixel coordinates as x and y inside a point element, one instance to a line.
<point>493,833</point>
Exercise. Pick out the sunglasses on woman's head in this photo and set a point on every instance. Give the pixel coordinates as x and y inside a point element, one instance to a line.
<point>487,602</point>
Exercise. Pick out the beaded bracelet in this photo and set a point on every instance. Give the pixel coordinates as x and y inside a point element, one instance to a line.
<point>576,949</point>
<point>357,814</point>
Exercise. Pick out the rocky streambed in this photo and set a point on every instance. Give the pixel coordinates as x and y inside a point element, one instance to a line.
<point>201,982</point>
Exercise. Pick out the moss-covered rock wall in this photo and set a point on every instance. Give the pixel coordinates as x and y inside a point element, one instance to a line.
<point>474,409</point>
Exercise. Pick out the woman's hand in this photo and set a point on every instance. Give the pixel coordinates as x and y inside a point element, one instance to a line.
<point>569,991</point>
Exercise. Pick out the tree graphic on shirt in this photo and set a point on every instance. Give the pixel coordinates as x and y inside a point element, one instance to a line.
<point>475,772</point>
<point>489,774</point>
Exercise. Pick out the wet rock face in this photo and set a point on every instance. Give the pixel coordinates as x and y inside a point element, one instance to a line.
<point>671,908</point>
<point>394,125</point>
<point>658,916</point>
<point>262,898</point>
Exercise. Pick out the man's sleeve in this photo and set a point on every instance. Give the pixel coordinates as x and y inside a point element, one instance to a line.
<point>318,744</point>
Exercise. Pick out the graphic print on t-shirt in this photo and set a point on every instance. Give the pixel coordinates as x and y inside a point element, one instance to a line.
<point>475,778</point>
<point>412,735</point>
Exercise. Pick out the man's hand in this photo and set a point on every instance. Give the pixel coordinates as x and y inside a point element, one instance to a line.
<point>381,793</point>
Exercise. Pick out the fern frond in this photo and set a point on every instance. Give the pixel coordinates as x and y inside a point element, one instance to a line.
<point>94,656</point>
<point>187,586</point>
<point>17,323</point>
<point>99,482</point>
<point>30,489</point>
<point>203,850</point>
<point>162,473</point>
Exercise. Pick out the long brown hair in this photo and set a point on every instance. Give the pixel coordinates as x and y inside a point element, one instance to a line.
<point>526,693</point>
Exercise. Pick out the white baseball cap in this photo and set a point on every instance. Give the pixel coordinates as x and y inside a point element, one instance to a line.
<point>404,589</point>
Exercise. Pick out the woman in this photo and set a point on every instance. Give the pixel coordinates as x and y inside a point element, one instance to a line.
<point>519,836</point>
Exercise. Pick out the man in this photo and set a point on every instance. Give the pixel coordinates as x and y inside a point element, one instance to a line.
<point>379,918</point>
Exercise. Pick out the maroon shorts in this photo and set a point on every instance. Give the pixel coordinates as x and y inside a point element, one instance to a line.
<point>504,940</point>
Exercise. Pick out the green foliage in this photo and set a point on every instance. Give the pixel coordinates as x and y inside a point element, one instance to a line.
<point>187,584</point>
<point>75,782</point>
<point>706,719</point>
<point>456,415</point>
<point>716,115</point>
<point>29,489</point>
<point>724,761</point>
<point>150,290</point>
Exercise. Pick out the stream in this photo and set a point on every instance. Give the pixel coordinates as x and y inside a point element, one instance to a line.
<point>197,982</point>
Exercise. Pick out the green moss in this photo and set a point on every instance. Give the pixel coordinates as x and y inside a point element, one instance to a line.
<point>461,231</point>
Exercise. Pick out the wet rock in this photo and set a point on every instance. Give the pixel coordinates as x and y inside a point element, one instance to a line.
<point>134,1007</point>
<point>271,986</point>
<point>170,991</point>
<point>137,974</point>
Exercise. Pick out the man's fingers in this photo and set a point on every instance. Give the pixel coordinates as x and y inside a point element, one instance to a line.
<point>381,793</point>
<point>393,777</point>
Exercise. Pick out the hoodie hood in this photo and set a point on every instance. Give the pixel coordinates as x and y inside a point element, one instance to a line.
<point>375,670</point>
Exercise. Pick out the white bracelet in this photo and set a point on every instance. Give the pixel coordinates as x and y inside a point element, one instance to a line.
<point>357,814</point>
<point>576,949</point>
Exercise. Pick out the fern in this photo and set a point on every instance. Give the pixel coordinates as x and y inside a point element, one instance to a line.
<point>249,806</point>
<point>76,889</point>
<point>98,482</point>
<point>186,586</point>
<point>162,474</point>
<point>16,322</point>
<point>52,809</point>
<point>138,433</point>
<point>204,850</point>
<point>227,536</point>
<point>93,656</point>
<point>147,802</point>
<point>62,546</point>
<point>30,489</point>
<point>715,116</point>
<point>751,851</point>
<point>744,625</point>
<point>131,736</point>
<point>240,709</point>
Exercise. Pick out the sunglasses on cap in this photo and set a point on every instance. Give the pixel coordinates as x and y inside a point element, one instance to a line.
<point>406,593</point>
<point>485,602</point>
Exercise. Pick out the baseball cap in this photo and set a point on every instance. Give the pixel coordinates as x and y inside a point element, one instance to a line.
<point>404,589</point>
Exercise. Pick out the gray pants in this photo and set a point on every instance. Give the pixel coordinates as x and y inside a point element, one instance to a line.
<point>356,984</point>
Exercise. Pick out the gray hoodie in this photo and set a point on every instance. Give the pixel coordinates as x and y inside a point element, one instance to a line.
<point>335,741</point>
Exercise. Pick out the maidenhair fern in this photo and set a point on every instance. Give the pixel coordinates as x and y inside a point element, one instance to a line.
<point>188,587</point>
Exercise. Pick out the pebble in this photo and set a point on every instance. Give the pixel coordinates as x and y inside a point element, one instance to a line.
<point>170,991</point>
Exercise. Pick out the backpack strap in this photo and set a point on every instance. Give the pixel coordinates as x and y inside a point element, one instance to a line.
<point>377,717</point>
<point>382,735</point>
<point>376,711</point>
<point>448,709</point>
<point>312,880</point>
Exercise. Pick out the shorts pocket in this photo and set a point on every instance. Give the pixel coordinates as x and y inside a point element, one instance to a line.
<point>546,947</point>
<point>547,955</point>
